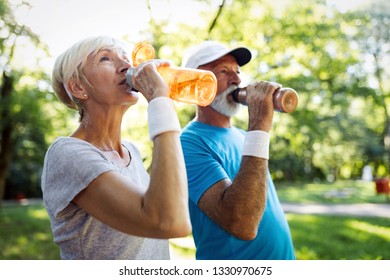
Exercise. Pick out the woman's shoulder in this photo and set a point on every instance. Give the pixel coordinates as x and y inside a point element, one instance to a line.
<point>68,143</point>
<point>65,147</point>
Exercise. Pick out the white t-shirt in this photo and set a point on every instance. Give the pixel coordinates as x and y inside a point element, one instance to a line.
<point>71,165</point>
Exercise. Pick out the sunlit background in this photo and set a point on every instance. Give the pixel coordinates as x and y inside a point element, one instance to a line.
<point>60,23</point>
<point>322,48</point>
<point>335,53</point>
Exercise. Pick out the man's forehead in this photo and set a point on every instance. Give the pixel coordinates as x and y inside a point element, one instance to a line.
<point>228,60</point>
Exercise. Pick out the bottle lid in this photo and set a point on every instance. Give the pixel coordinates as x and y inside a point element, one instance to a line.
<point>142,51</point>
<point>288,100</point>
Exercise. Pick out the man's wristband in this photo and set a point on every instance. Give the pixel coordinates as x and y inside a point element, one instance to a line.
<point>162,117</point>
<point>256,144</point>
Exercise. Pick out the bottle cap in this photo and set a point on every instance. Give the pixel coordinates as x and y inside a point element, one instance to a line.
<point>285,100</point>
<point>142,51</point>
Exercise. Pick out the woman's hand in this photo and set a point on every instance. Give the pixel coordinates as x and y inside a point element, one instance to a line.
<point>148,81</point>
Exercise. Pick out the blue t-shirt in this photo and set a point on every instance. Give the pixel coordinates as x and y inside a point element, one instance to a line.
<point>212,154</point>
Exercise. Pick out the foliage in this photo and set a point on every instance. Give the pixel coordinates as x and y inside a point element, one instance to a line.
<point>306,47</point>
<point>28,119</point>
<point>373,38</point>
<point>34,121</point>
<point>313,49</point>
<point>336,62</point>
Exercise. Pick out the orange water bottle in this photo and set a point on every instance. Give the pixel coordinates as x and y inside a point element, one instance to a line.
<point>185,84</point>
<point>285,99</point>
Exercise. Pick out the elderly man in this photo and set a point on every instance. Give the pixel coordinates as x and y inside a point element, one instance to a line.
<point>235,211</point>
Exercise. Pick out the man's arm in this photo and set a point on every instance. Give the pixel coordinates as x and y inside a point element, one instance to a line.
<point>238,206</point>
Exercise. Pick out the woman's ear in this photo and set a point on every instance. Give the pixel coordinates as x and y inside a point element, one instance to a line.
<point>76,89</point>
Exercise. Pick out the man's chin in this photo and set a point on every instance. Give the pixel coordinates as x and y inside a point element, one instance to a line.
<point>227,108</point>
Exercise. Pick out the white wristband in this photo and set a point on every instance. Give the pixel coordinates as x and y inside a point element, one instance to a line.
<point>162,117</point>
<point>256,144</point>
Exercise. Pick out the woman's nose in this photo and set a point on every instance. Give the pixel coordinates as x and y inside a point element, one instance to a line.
<point>125,65</point>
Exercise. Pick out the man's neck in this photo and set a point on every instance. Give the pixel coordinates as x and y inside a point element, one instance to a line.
<point>209,116</point>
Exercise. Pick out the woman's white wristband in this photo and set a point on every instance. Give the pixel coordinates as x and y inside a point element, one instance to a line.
<point>162,117</point>
<point>256,144</point>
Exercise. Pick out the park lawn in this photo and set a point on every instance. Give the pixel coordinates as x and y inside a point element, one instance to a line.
<point>25,230</point>
<point>319,237</point>
<point>352,191</point>
<point>26,234</point>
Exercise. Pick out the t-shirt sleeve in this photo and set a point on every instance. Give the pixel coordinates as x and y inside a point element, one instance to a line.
<point>70,166</point>
<point>203,168</point>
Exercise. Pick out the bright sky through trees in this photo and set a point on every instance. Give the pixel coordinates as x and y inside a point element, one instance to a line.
<point>60,23</point>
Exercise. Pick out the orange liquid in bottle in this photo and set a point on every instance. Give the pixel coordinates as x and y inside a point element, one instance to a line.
<point>186,85</point>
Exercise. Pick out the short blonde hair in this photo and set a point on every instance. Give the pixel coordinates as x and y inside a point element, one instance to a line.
<point>69,65</point>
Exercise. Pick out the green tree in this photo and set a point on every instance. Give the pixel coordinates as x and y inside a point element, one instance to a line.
<point>309,47</point>
<point>26,117</point>
<point>373,38</point>
<point>342,119</point>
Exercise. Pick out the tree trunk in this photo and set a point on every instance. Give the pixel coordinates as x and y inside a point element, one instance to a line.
<point>6,132</point>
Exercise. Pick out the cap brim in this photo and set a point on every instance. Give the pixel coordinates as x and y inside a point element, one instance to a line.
<point>241,54</point>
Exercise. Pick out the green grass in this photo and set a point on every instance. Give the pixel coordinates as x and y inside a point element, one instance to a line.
<point>319,237</point>
<point>338,192</point>
<point>25,232</point>
<point>340,238</point>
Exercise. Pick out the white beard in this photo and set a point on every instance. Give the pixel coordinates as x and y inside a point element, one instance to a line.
<point>224,106</point>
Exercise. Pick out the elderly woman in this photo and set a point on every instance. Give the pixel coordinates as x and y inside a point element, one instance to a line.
<point>101,201</point>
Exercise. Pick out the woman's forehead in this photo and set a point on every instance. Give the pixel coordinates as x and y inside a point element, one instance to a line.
<point>116,49</point>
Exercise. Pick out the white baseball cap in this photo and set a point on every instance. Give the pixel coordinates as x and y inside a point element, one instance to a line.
<point>209,51</point>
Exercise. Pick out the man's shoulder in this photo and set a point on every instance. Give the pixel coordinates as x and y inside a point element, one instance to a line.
<point>193,129</point>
